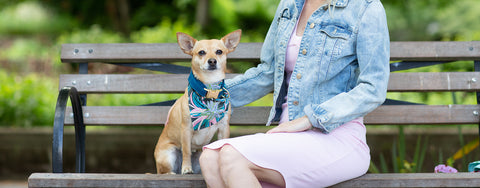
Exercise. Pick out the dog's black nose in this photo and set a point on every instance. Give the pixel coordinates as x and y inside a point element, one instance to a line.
<point>212,64</point>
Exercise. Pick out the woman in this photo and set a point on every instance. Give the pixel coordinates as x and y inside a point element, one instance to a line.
<point>327,62</point>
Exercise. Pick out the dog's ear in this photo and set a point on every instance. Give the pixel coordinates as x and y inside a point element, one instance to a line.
<point>186,42</point>
<point>232,39</point>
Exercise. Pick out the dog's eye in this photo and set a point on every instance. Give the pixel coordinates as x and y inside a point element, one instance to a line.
<point>202,52</point>
<point>219,52</point>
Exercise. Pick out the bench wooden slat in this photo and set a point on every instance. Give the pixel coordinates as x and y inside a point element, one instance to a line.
<point>113,180</point>
<point>463,179</point>
<point>127,83</point>
<point>423,114</point>
<point>434,81</point>
<point>143,52</point>
<point>156,115</point>
<point>384,115</point>
<point>176,83</point>
<point>435,51</point>
<point>168,52</point>
<point>37,180</point>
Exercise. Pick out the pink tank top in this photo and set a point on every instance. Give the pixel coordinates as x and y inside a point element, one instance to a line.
<point>290,60</point>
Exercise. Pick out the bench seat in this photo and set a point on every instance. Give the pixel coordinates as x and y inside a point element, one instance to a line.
<point>463,179</point>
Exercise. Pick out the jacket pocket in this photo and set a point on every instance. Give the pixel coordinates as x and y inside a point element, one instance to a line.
<point>336,31</point>
<point>283,20</point>
<point>335,45</point>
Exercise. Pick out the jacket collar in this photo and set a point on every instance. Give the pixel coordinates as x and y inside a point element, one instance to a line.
<point>299,5</point>
<point>341,3</point>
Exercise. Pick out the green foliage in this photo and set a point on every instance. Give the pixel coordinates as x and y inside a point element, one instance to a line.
<point>254,17</point>
<point>94,34</point>
<point>22,49</point>
<point>31,17</point>
<point>463,151</point>
<point>445,20</point>
<point>459,21</point>
<point>151,13</point>
<point>24,54</point>
<point>55,22</point>
<point>408,21</point>
<point>26,100</point>
<point>402,162</point>
<point>129,99</point>
<point>165,31</point>
<point>223,18</point>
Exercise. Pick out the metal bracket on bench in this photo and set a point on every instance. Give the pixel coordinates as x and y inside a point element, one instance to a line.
<point>57,149</point>
<point>398,102</point>
<point>405,65</point>
<point>162,67</point>
<point>476,65</point>
<point>164,103</point>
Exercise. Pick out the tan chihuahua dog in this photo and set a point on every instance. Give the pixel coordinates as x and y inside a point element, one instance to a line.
<point>203,109</point>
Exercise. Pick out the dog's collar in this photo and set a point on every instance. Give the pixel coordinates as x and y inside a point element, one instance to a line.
<point>202,90</point>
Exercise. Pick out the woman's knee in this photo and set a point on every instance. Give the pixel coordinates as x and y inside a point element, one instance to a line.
<point>228,154</point>
<point>208,158</point>
<point>230,157</point>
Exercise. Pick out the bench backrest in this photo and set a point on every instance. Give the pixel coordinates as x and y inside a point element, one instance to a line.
<point>406,55</point>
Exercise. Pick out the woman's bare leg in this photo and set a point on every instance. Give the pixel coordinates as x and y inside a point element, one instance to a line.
<point>209,162</point>
<point>226,167</point>
<point>237,171</point>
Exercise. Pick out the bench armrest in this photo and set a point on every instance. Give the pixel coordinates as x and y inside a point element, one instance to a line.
<point>57,148</point>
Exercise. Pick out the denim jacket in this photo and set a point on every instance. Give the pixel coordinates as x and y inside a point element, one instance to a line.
<point>342,67</point>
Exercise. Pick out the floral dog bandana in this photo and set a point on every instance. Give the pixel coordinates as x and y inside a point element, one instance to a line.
<point>205,111</point>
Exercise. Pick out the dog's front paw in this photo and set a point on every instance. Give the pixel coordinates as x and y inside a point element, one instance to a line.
<point>187,170</point>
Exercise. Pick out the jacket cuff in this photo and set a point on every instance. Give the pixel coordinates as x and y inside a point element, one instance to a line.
<point>316,118</point>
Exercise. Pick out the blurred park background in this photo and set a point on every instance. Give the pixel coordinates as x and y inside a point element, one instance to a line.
<point>32,31</point>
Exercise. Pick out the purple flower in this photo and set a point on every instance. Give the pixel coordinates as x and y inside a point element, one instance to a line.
<point>445,169</point>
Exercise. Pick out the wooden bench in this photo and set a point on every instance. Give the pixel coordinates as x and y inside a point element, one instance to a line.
<point>405,55</point>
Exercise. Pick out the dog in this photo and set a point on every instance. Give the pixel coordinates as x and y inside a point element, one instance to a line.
<point>203,109</point>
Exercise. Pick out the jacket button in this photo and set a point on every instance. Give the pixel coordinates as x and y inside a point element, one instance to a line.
<point>312,25</point>
<point>304,51</point>
<point>295,103</point>
<point>299,76</point>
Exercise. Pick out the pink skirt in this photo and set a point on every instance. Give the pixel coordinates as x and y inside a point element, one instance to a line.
<point>310,158</point>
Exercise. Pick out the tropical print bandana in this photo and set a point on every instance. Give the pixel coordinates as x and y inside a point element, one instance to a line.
<point>204,111</point>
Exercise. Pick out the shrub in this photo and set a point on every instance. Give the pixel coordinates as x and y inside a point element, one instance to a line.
<point>31,17</point>
<point>165,31</point>
<point>26,100</point>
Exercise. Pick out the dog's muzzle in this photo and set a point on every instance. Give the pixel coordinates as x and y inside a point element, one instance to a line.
<point>212,64</point>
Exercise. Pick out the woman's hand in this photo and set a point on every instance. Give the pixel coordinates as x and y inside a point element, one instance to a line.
<point>297,125</point>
